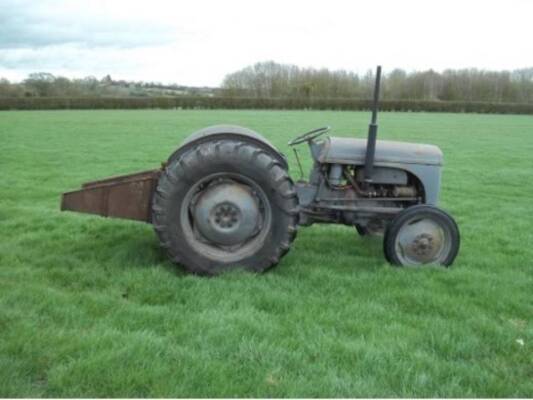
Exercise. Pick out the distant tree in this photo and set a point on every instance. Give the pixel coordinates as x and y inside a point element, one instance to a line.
<point>107,80</point>
<point>40,83</point>
<point>395,86</point>
<point>8,89</point>
<point>61,87</point>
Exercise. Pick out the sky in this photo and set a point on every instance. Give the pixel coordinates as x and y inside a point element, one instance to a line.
<point>198,42</point>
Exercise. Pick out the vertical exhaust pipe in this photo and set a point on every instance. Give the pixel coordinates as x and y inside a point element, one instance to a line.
<point>372,131</point>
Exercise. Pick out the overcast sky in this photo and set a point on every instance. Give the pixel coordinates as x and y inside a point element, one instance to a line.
<point>197,42</point>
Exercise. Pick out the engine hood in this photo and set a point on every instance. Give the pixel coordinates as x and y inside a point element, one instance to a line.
<point>353,151</point>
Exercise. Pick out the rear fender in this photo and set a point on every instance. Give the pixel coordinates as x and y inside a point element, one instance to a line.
<point>216,132</point>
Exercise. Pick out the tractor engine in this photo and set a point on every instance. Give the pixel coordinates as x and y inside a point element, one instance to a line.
<point>338,193</point>
<point>386,182</point>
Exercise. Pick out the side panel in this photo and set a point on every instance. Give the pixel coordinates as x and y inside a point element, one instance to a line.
<point>381,175</point>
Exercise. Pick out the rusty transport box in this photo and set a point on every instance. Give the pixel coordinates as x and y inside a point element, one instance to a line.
<point>125,196</point>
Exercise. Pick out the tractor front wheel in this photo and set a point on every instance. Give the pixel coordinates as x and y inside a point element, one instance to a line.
<point>421,235</point>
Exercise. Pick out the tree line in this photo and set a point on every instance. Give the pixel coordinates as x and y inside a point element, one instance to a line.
<point>274,80</point>
<point>44,84</point>
<point>269,85</point>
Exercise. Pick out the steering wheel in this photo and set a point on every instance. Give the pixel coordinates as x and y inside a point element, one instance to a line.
<point>308,136</point>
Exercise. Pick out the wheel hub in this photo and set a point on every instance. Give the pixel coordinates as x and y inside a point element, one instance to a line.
<point>422,245</point>
<point>227,214</point>
<point>421,241</point>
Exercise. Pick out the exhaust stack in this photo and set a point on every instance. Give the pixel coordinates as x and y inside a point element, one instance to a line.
<point>372,131</point>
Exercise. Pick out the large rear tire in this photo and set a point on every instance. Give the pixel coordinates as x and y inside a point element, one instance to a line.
<point>225,204</point>
<point>421,235</point>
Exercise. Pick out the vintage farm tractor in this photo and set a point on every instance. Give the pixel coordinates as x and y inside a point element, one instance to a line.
<point>225,199</point>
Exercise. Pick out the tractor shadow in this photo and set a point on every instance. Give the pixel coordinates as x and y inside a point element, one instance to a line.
<point>132,245</point>
<point>111,242</point>
<point>336,245</point>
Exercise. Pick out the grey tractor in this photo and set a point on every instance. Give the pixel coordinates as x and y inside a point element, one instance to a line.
<point>224,199</point>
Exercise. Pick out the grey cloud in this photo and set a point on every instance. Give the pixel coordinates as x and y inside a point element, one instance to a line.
<point>31,24</point>
<point>71,60</point>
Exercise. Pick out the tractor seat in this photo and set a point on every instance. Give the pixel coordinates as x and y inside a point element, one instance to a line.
<point>339,150</point>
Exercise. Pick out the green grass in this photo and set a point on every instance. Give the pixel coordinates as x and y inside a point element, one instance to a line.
<point>91,307</point>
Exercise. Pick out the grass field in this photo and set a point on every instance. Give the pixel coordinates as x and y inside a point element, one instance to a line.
<point>91,307</point>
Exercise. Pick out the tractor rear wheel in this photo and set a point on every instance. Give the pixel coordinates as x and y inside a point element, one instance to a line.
<point>225,204</point>
<point>421,235</point>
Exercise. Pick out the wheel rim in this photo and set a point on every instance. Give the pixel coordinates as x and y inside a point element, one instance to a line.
<point>226,217</point>
<point>423,240</point>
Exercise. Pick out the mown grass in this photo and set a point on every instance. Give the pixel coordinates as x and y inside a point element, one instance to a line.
<point>91,307</point>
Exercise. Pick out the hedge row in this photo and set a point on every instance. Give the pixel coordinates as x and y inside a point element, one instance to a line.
<point>88,103</point>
